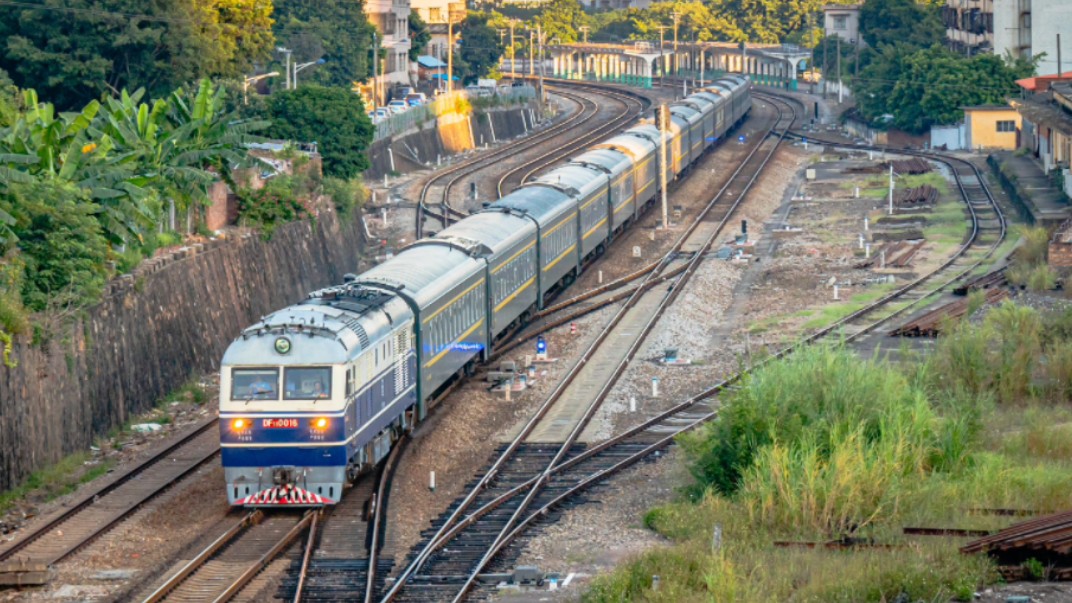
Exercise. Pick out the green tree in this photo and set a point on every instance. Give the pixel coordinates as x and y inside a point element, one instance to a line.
<point>61,245</point>
<point>562,19</point>
<point>335,30</point>
<point>332,117</point>
<point>885,22</point>
<point>419,35</point>
<point>479,47</point>
<point>921,88</point>
<point>74,51</point>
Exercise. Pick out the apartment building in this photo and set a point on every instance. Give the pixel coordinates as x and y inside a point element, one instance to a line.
<point>969,25</point>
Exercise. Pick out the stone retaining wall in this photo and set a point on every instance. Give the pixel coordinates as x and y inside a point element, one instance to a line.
<point>153,330</point>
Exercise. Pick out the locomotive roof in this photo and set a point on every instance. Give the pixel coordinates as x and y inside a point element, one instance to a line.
<point>308,327</point>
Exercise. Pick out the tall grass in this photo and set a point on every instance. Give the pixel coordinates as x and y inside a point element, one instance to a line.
<point>815,399</point>
<point>1000,357</point>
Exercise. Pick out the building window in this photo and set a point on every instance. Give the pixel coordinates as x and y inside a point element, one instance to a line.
<point>435,15</point>
<point>840,22</point>
<point>1007,125</point>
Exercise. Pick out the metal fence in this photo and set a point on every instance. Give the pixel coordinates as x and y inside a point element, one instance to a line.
<point>414,116</point>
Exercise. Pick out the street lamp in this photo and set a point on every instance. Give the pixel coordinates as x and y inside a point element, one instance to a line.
<point>285,51</point>
<point>249,80</point>
<point>299,66</point>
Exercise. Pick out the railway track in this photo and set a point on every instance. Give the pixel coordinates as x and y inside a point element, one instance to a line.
<point>342,561</point>
<point>577,469</point>
<point>445,180</point>
<point>100,509</point>
<point>221,570</point>
<point>633,106</point>
<point>451,560</point>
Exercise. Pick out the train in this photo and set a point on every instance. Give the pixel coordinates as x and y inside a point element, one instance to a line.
<point>315,394</point>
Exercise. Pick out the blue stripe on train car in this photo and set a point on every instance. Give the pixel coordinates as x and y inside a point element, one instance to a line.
<point>285,456</point>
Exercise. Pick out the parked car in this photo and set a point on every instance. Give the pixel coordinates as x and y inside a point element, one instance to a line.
<point>383,113</point>
<point>416,99</point>
<point>398,106</point>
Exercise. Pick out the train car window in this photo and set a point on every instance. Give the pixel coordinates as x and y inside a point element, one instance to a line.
<point>255,384</point>
<point>306,383</point>
<point>349,382</point>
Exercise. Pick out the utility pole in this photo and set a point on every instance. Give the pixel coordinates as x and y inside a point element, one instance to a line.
<point>286,53</point>
<point>662,57</point>
<point>674,62</point>
<point>513,52</point>
<point>664,115</point>
<point>840,88</point>
<point>701,67</point>
<point>539,38</point>
<point>825,63</point>
<point>584,30</point>
<point>532,53</point>
<point>450,53</point>
<point>375,73</point>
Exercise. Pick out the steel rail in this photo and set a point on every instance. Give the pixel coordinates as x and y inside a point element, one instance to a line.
<point>192,566</point>
<point>93,496</point>
<point>379,516</point>
<point>602,474</point>
<point>554,155</point>
<point>460,170</point>
<point>635,346</point>
<point>303,571</point>
<point>506,454</point>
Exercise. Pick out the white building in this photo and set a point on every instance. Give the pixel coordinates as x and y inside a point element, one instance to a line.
<point>842,20</point>
<point>1031,27</point>
<point>391,19</point>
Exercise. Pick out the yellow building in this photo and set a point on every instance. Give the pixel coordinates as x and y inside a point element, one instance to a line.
<point>992,127</point>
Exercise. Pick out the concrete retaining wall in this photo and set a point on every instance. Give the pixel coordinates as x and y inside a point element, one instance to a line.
<point>153,330</point>
<point>448,135</point>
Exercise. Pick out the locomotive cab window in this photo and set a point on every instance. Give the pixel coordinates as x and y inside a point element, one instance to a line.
<point>312,383</point>
<point>255,384</point>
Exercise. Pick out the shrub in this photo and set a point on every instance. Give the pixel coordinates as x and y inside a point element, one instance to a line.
<point>1041,278</point>
<point>268,208</point>
<point>346,194</point>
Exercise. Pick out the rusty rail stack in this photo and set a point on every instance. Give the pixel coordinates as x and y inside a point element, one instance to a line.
<point>931,323</point>
<point>990,280</point>
<point>1046,539</point>
<point>916,196</point>
<point>913,166</point>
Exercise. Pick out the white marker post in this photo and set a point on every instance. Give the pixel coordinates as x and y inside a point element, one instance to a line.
<point>891,188</point>
<point>654,387</point>
<point>632,403</point>
<point>835,293</point>
<point>600,274</point>
<point>431,481</point>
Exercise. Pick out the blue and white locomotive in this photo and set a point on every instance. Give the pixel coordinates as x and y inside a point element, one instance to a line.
<point>318,392</point>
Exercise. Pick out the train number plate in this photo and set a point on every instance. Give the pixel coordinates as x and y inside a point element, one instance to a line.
<point>279,423</point>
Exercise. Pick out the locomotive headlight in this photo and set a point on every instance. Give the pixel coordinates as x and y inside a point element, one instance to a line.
<point>320,424</point>
<point>240,424</point>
